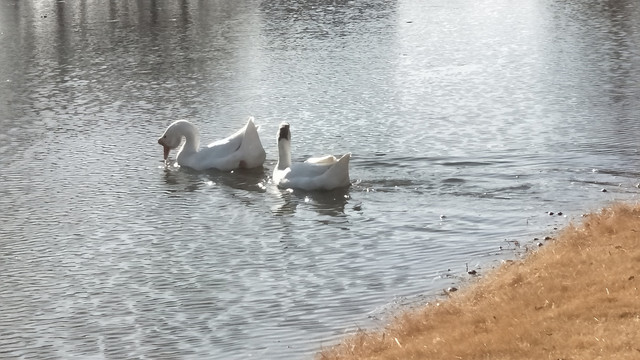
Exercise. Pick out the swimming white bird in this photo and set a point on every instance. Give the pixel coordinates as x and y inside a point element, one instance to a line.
<point>240,150</point>
<point>321,173</point>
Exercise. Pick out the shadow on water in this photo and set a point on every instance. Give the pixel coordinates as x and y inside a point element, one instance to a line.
<point>181,181</point>
<point>331,203</point>
<point>243,179</point>
<point>187,180</point>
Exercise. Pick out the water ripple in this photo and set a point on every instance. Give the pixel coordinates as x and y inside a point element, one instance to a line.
<point>105,251</point>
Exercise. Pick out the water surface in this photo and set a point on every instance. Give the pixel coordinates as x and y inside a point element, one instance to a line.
<point>468,123</point>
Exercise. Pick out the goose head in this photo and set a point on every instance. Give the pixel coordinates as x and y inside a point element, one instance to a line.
<point>284,146</point>
<point>284,133</point>
<point>172,137</point>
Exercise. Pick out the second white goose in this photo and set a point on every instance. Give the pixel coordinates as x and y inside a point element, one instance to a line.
<point>318,173</point>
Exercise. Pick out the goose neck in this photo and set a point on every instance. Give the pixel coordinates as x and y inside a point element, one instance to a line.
<point>284,154</point>
<point>191,137</point>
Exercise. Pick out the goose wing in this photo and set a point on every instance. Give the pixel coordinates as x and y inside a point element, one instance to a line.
<point>324,173</point>
<point>322,160</point>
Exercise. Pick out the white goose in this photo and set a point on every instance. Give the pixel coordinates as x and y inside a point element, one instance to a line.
<point>240,150</point>
<point>321,173</point>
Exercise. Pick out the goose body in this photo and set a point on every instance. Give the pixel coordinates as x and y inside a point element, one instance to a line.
<point>318,173</point>
<point>243,149</point>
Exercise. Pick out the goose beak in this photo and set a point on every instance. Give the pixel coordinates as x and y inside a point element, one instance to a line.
<point>166,148</point>
<point>166,151</point>
<point>284,132</point>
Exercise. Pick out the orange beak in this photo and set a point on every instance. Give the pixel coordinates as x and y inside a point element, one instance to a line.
<point>166,151</point>
<point>166,148</point>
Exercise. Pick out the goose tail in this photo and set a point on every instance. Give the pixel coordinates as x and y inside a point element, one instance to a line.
<point>339,172</point>
<point>251,147</point>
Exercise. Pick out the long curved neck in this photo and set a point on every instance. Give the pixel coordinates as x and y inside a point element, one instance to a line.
<point>191,135</point>
<point>284,154</point>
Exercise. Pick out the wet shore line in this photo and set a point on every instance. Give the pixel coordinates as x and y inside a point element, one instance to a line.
<point>574,298</point>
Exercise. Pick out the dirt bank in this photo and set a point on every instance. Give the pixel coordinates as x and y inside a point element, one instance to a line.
<point>575,298</point>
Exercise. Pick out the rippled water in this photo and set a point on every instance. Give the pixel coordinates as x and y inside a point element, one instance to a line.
<point>491,113</point>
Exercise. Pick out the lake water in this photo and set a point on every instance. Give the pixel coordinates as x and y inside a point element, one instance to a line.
<point>468,122</point>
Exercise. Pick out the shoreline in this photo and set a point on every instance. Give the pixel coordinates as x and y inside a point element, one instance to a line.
<point>576,297</point>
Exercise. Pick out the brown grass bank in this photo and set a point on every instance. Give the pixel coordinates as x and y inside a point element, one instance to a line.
<point>576,298</point>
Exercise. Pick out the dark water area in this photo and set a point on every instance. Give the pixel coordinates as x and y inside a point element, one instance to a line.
<point>468,123</point>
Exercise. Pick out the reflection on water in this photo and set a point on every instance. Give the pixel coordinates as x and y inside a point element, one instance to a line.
<point>330,203</point>
<point>287,205</point>
<point>182,180</point>
<point>242,179</point>
<point>469,122</point>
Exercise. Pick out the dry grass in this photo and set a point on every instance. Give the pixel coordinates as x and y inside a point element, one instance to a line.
<point>576,298</point>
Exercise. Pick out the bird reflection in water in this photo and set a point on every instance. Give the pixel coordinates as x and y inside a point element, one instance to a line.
<point>331,203</point>
<point>184,179</point>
